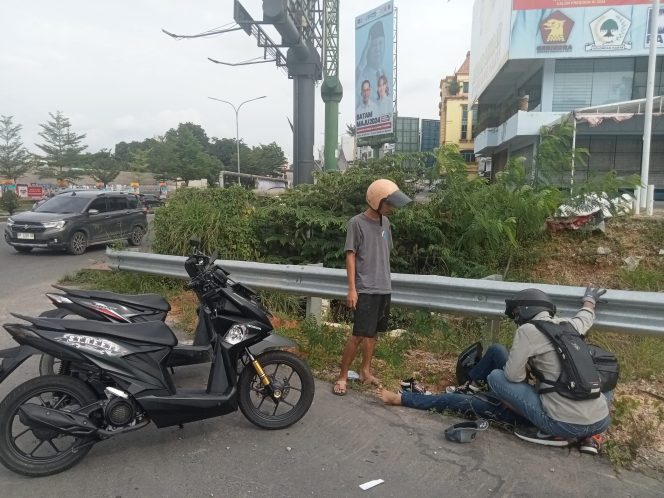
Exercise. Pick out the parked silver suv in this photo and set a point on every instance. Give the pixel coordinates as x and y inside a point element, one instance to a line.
<point>75,220</point>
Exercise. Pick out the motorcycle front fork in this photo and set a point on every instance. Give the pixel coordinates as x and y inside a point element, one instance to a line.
<point>270,386</point>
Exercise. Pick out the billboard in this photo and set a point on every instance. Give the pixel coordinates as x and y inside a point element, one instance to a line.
<point>581,28</point>
<point>559,4</point>
<point>490,42</point>
<point>373,71</point>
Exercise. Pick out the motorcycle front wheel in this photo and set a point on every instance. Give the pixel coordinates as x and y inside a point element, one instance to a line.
<point>41,451</point>
<point>288,374</point>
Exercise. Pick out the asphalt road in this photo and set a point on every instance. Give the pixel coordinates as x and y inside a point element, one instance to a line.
<point>340,444</point>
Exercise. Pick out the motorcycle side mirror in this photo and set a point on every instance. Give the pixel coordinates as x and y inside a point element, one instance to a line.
<point>195,241</point>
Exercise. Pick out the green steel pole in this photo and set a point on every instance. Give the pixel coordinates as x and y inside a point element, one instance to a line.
<point>332,93</point>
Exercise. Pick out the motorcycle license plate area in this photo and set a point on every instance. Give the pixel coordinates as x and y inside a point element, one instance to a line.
<point>28,236</point>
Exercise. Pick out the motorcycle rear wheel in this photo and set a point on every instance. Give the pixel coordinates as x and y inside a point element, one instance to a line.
<point>38,452</point>
<point>294,378</point>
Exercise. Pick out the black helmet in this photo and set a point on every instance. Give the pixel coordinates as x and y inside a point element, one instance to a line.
<point>525,304</point>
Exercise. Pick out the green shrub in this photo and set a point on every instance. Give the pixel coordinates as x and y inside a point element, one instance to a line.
<point>222,218</point>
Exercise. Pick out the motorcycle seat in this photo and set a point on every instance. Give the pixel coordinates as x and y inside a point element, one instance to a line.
<point>154,332</point>
<point>154,301</point>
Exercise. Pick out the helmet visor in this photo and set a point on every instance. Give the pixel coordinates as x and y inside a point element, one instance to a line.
<point>398,199</point>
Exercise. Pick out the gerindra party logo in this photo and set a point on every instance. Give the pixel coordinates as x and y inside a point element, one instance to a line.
<point>609,31</point>
<point>555,31</point>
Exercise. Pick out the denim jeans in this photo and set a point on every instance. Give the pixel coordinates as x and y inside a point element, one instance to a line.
<point>495,357</point>
<point>483,405</point>
<point>524,398</point>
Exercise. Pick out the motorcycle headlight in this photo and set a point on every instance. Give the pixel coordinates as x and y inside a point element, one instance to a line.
<point>235,334</point>
<point>10,222</point>
<point>53,224</point>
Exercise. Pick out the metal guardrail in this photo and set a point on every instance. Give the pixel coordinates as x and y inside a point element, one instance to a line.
<point>627,311</point>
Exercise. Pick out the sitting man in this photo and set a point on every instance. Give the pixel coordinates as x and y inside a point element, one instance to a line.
<point>558,420</point>
<point>543,418</point>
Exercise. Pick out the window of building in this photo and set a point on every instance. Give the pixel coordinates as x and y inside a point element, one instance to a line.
<point>580,83</point>
<point>465,87</point>
<point>468,156</point>
<point>464,122</point>
<point>641,77</point>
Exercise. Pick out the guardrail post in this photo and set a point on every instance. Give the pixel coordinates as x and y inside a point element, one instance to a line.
<point>492,328</point>
<point>315,305</point>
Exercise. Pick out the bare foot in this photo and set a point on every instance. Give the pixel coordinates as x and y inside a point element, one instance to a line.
<point>370,379</point>
<point>388,397</point>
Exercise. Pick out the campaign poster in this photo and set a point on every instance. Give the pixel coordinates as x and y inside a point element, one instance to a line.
<point>374,98</point>
<point>561,4</point>
<point>582,28</point>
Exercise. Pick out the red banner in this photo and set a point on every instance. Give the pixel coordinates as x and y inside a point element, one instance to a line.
<point>561,4</point>
<point>35,192</point>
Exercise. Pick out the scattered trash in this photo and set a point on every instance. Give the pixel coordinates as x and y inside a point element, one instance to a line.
<point>371,484</point>
<point>353,375</point>
<point>552,469</point>
<point>288,448</point>
<point>603,250</point>
<point>661,252</point>
<point>396,332</point>
<point>632,262</point>
<point>588,212</point>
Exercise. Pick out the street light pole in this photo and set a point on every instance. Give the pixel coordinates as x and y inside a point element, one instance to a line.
<point>237,125</point>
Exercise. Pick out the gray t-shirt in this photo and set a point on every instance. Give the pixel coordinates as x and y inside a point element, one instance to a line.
<point>530,343</point>
<point>371,242</point>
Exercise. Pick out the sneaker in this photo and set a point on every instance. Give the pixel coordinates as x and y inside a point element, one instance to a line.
<point>534,435</point>
<point>467,388</point>
<point>411,385</point>
<point>592,445</point>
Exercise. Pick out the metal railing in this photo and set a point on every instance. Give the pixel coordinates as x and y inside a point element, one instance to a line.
<point>627,311</point>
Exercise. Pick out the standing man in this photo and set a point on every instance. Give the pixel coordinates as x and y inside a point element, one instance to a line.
<point>368,246</point>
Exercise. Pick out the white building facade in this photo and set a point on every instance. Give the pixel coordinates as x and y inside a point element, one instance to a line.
<point>536,61</point>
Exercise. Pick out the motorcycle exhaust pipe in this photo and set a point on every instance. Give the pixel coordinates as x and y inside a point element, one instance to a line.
<point>36,416</point>
<point>40,417</point>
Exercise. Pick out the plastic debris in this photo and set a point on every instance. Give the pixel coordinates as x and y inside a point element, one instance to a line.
<point>371,484</point>
<point>603,251</point>
<point>632,262</point>
<point>353,375</point>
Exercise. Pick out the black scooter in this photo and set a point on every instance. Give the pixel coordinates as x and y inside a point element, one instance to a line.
<point>117,379</point>
<point>137,308</point>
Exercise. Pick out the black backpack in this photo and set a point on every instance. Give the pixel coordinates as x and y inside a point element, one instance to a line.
<point>586,370</point>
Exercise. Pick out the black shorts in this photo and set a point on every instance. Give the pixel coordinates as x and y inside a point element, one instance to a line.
<point>371,314</point>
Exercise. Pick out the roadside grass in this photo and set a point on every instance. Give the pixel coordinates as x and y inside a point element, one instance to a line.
<point>429,343</point>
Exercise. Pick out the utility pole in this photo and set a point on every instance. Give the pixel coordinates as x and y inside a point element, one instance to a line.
<point>646,190</point>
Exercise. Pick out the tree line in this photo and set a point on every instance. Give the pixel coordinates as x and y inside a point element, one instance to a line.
<point>185,153</point>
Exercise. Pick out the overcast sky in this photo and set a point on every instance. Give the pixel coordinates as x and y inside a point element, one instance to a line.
<point>108,67</point>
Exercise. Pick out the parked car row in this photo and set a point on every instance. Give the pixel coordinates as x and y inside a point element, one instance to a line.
<point>75,220</point>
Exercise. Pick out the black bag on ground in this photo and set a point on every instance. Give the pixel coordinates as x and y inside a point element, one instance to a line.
<point>586,370</point>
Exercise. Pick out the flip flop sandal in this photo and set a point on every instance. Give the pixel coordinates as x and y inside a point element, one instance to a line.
<point>465,432</point>
<point>341,391</point>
